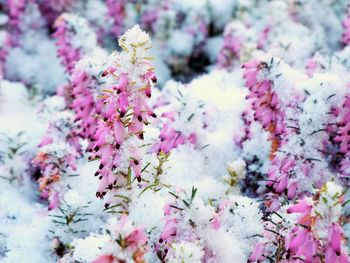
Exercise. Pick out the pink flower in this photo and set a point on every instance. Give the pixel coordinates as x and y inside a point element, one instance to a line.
<point>231,49</point>
<point>311,66</point>
<point>54,199</point>
<point>216,222</point>
<point>264,101</point>
<point>263,37</point>
<point>169,230</point>
<point>302,206</point>
<point>258,252</point>
<point>45,141</point>
<point>68,54</point>
<point>116,11</point>
<point>122,115</point>
<point>335,237</point>
<point>104,259</point>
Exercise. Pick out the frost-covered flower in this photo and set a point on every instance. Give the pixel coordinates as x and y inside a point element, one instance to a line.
<point>127,243</point>
<point>74,39</point>
<point>124,113</point>
<point>57,153</point>
<point>188,219</point>
<point>265,103</point>
<point>318,235</point>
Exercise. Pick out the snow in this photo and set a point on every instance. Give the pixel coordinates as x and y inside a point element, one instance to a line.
<point>208,198</point>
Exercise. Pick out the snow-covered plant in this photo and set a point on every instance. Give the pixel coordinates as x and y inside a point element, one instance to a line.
<point>56,157</point>
<point>339,135</point>
<point>264,101</point>
<point>318,235</point>
<point>74,39</point>
<point>123,242</point>
<point>295,129</point>
<point>315,235</point>
<point>235,45</point>
<point>69,219</point>
<point>180,118</point>
<point>125,111</point>
<point>13,152</point>
<point>189,220</point>
<point>248,161</point>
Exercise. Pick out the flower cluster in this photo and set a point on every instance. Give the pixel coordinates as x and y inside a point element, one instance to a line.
<point>318,235</point>
<point>231,50</point>
<point>264,101</point>
<point>74,39</point>
<point>57,155</point>
<point>189,220</point>
<point>16,9</point>
<point>116,11</point>
<point>343,137</point>
<point>127,243</point>
<point>245,160</point>
<point>125,111</point>
<point>315,235</point>
<point>84,103</point>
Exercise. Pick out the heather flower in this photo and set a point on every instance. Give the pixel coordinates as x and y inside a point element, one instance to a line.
<point>84,102</point>
<point>74,39</point>
<point>57,153</point>
<point>51,9</point>
<point>117,13</point>
<point>342,137</point>
<point>187,219</point>
<point>264,101</point>
<point>127,242</point>
<point>16,10</point>
<point>311,65</point>
<point>318,235</point>
<point>231,48</point>
<point>124,113</point>
<point>68,53</point>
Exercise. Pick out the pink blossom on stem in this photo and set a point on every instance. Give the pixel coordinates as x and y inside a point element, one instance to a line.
<point>116,11</point>
<point>123,114</point>
<point>231,48</point>
<point>264,101</point>
<point>66,51</point>
<point>323,214</point>
<point>84,104</point>
<point>57,154</point>
<point>16,9</point>
<point>127,241</point>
